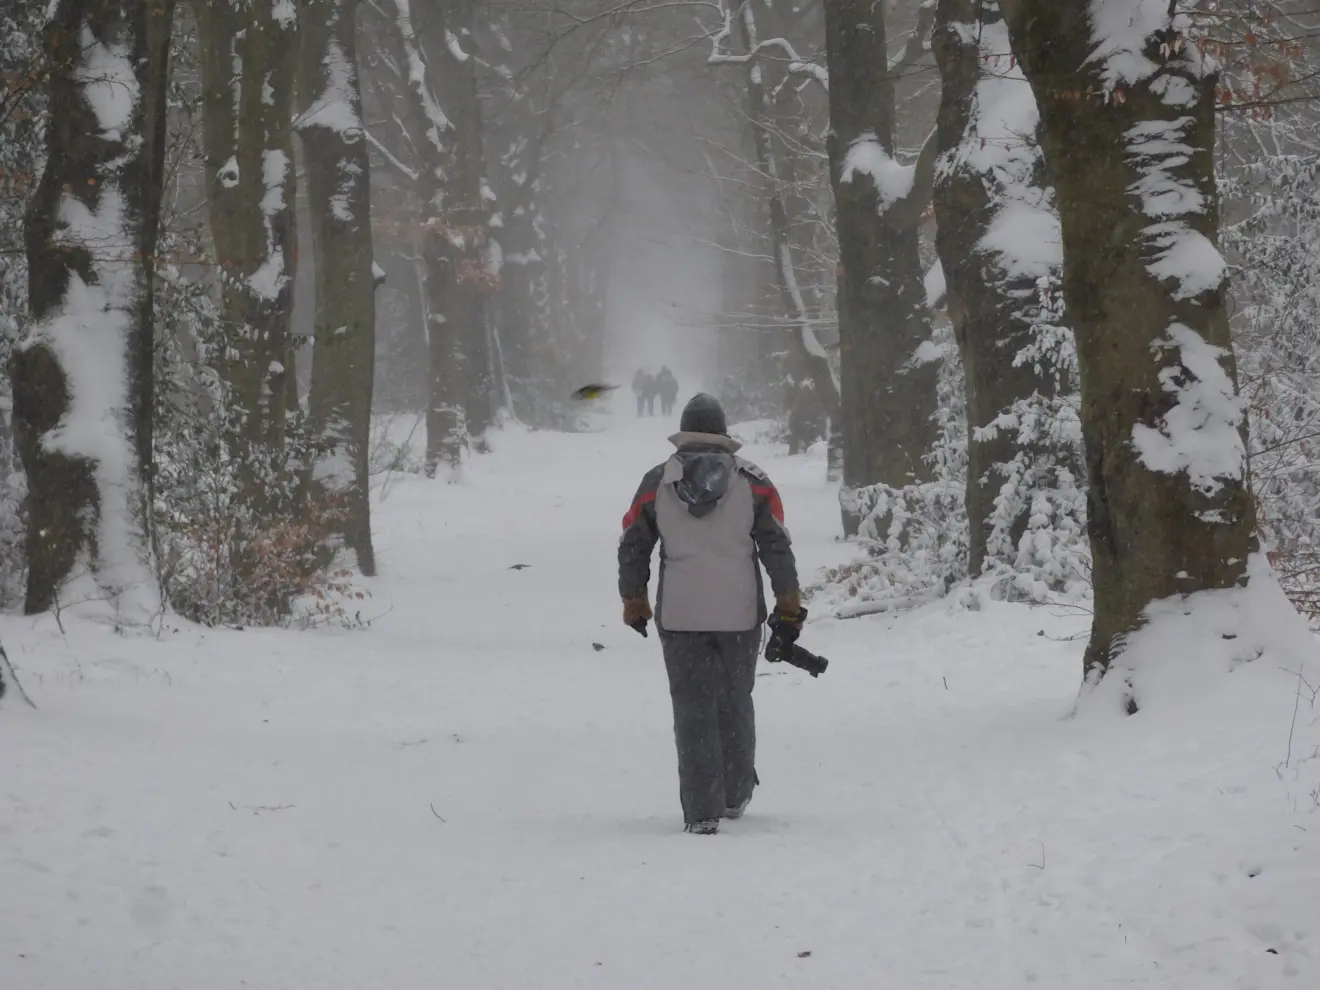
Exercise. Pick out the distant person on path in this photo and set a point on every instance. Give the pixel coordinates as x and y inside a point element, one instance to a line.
<point>667,385</point>
<point>651,393</point>
<point>643,387</point>
<point>717,519</point>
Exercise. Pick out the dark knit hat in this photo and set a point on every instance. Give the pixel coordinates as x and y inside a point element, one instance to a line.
<point>704,414</point>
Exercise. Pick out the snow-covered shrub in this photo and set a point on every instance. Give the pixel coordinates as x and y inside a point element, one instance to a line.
<point>224,558</point>
<point>916,536</point>
<point>1045,483</point>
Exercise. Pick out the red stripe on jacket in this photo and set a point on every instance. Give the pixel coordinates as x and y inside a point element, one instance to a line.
<point>776,506</point>
<point>635,512</point>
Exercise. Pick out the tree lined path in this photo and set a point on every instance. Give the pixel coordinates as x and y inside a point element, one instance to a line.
<point>470,794</point>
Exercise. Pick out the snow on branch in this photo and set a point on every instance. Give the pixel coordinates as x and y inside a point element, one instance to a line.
<point>437,124</point>
<point>1125,32</point>
<point>402,169</point>
<point>455,49</point>
<point>917,46</point>
<point>796,65</point>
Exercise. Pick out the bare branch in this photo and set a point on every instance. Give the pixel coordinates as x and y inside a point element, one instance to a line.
<point>404,170</point>
<point>917,46</point>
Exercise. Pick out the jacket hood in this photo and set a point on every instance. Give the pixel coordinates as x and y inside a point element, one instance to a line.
<point>700,476</point>
<point>719,441</point>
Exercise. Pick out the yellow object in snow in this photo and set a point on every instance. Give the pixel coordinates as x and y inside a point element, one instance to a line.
<point>593,391</point>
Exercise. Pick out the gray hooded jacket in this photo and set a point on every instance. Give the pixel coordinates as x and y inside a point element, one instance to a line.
<point>715,516</point>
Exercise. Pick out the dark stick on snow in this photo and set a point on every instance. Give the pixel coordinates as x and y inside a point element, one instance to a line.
<point>8,677</point>
<point>257,809</point>
<point>1041,865</point>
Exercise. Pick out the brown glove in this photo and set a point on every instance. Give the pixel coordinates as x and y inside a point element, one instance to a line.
<point>788,608</point>
<point>636,611</point>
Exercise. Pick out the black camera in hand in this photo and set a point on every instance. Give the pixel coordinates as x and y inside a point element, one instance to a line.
<point>783,647</point>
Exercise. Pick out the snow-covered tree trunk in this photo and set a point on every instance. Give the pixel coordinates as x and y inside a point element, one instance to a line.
<point>248,66</point>
<point>1127,106</point>
<point>998,236</point>
<point>339,191</point>
<point>22,140</point>
<point>889,365</point>
<point>82,375</point>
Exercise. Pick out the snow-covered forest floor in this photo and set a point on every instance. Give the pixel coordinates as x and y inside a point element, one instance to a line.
<point>470,794</point>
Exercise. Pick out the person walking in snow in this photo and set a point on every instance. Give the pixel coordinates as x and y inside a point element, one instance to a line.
<point>667,385</point>
<point>643,387</point>
<point>718,520</point>
<point>652,391</point>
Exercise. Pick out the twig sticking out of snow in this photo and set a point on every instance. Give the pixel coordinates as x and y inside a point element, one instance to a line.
<point>9,679</point>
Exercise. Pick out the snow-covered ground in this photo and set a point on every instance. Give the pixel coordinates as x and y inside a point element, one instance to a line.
<point>472,795</point>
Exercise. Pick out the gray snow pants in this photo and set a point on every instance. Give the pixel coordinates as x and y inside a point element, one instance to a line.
<point>711,676</point>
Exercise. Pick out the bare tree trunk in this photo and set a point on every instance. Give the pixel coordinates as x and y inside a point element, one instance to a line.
<point>987,174</point>
<point>462,399</point>
<point>807,348</point>
<point>797,170</point>
<point>522,297</point>
<point>248,61</point>
<point>82,377</point>
<point>1129,136</point>
<point>339,193</point>
<point>444,128</point>
<point>889,382</point>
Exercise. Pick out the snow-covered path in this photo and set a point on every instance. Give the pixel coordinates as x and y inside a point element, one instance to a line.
<point>471,795</point>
